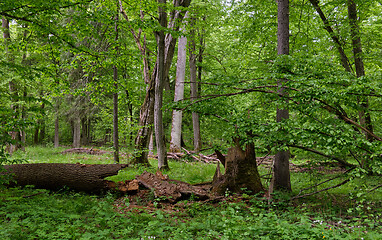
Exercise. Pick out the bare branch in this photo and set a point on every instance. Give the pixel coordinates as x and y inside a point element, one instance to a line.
<point>322,190</point>
<point>343,162</point>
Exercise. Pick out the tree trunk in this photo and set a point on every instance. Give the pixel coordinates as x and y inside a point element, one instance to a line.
<point>281,174</point>
<point>241,174</point>
<point>115,102</point>
<point>80,177</point>
<point>56,125</point>
<point>176,130</point>
<point>146,119</point>
<point>159,84</point>
<point>115,117</point>
<point>151,144</point>
<point>364,114</point>
<point>77,132</point>
<point>85,131</point>
<point>194,91</point>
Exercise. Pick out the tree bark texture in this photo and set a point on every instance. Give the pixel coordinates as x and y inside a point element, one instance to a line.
<point>115,116</point>
<point>77,132</point>
<point>281,174</point>
<point>151,144</point>
<point>176,130</point>
<point>80,177</point>
<point>159,84</point>
<point>241,173</point>
<point>194,91</point>
<point>56,125</point>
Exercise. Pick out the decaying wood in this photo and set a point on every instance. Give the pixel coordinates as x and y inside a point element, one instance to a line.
<point>171,190</point>
<point>80,177</point>
<point>241,173</point>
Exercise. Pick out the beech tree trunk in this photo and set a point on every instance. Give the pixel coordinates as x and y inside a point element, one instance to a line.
<point>80,177</point>
<point>281,174</point>
<point>194,91</point>
<point>176,130</point>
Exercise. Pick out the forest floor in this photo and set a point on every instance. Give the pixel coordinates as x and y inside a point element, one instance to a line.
<point>350,211</point>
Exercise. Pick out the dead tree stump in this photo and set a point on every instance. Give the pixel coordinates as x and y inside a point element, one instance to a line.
<point>80,177</point>
<point>241,173</point>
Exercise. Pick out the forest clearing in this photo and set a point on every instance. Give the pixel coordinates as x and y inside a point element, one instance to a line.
<point>191,119</point>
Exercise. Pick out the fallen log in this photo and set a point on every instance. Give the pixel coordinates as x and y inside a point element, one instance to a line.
<point>171,190</point>
<point>89,151</point>
<point>80,177</point>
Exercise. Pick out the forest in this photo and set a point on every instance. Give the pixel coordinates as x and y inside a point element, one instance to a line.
<point>191,119</point>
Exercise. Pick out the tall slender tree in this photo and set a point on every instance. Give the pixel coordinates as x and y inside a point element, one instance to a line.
<point>281,175</point>
<point>176,129</point>
<point>194,87</point>
<point>115,98</point>
<point>159,85</point>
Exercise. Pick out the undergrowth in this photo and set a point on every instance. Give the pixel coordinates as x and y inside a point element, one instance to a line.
<point>341,213</point>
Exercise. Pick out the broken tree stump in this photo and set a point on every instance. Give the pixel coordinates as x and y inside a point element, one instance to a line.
<point>80,177</point>
<point>241,173</point>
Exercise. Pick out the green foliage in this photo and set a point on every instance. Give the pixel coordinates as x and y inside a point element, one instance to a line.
<point>39,213</point>
<point>72,215</point>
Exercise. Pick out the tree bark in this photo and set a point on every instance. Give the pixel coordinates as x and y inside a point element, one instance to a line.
<point>80,177</point>
<point>151,144</point>
<point>364,115</point>
<point>281,174</point>
<point>194,90</point>
<point>159,84</point>
<point>77,132</point>
<point>115,102</point>
<point>241,174</point>
<point>56,125</point>
<point>176,130</point>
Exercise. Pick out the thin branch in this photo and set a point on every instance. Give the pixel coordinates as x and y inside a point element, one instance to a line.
<point>344,59</point>
<point>343,162</point>
<point>322,190</point>
<point>318,184</point>
<point>219,61</point>
<point>380,185</point>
